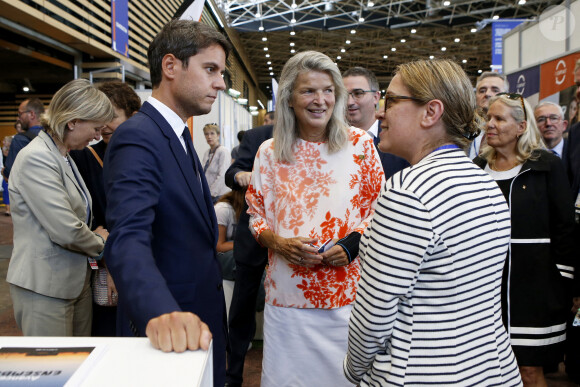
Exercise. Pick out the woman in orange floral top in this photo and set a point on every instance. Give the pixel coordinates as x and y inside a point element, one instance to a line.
<point>317,180</point>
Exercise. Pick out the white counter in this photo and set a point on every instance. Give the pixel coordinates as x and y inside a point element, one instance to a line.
<point>124,361</point>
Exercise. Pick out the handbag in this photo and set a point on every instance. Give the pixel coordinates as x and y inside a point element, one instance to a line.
<point>99,282</point>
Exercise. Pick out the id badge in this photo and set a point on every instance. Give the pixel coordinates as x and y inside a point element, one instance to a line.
<point>93,263</point>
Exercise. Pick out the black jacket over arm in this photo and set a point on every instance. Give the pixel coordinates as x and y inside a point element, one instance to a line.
<point>247,250</point>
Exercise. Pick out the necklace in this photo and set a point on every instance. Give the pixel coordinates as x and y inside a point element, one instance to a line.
<point>511,165</point>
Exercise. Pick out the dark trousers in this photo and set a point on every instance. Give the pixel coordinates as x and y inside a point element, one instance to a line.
<point>242,324</point>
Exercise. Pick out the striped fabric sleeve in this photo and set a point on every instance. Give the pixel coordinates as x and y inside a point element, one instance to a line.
<point>392,251</point>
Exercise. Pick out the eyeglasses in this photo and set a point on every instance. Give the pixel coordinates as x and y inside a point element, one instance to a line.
<point>24,112</point>
<point>399,97</point>
<point>554,119</point>
<point>359,93</point>
<point>515,97</point>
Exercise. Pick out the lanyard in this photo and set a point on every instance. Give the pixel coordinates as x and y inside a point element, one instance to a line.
<point>448,146</point>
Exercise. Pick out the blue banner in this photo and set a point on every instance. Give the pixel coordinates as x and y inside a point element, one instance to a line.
<point>120,26</point>
<point>498,29</point>
<point>525,82</point>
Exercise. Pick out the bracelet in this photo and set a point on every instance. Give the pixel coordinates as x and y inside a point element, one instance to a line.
<point>100,256</point>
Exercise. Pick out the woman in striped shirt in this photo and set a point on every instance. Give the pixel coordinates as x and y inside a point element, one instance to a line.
<point>428,306</point>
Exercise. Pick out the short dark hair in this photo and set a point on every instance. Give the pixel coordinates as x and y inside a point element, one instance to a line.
<point>241,135</point>
<point>362,72</point>
<point>36,106</point>
<point>271,114</point>
<point>184,39</point>
<point>121,95</point>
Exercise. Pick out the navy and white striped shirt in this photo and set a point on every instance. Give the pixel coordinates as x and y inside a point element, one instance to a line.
<point>428,307</point>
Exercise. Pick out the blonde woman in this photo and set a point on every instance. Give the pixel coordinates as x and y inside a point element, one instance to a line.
<point>540,264</point>
<point>54,247</point>
<point>428,303</point>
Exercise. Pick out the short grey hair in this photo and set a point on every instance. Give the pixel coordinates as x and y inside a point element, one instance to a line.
<point>550,103</point>
<point>77,100</point>
<point>491,74</point>
<point>286,128</point>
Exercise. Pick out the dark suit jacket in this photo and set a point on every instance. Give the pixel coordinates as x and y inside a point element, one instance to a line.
<point>161,249</point>
<point>246,249</point>
<point>391,163</point>
<point>571,158</point>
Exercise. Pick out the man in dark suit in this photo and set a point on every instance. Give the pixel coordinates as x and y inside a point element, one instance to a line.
<point>162,247</point>
<point>363,96</point>
<point>571,158</point>
<point>552,125</point>
<point>250,257</point>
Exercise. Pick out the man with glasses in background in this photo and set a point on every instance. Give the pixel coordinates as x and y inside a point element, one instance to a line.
<point>551,123</point>
<point>363,96</point>
<point>29,113</point>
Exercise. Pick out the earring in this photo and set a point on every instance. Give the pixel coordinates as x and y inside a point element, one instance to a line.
<point>71,127</point>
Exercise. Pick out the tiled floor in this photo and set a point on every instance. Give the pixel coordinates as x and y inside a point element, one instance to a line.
<point>253,366</point>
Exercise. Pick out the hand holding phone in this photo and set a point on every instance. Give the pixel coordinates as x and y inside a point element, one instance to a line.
<point>326,245</point>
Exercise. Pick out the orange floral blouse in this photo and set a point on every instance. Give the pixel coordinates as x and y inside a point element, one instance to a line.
<point>319,195</point>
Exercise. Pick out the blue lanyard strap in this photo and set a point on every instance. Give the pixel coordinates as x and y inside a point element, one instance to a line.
<point>448,146</point>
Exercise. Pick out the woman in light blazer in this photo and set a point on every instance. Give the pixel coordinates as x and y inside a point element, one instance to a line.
<point>54,247</point>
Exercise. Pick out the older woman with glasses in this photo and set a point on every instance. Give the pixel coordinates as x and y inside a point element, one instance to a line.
<point>428,303</point>
<point>539,268</point>
<point>317,180</point>
<point>216,161</point>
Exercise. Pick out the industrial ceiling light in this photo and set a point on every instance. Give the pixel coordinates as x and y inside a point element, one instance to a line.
<point>27,87</point>
<point>234,93</point>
